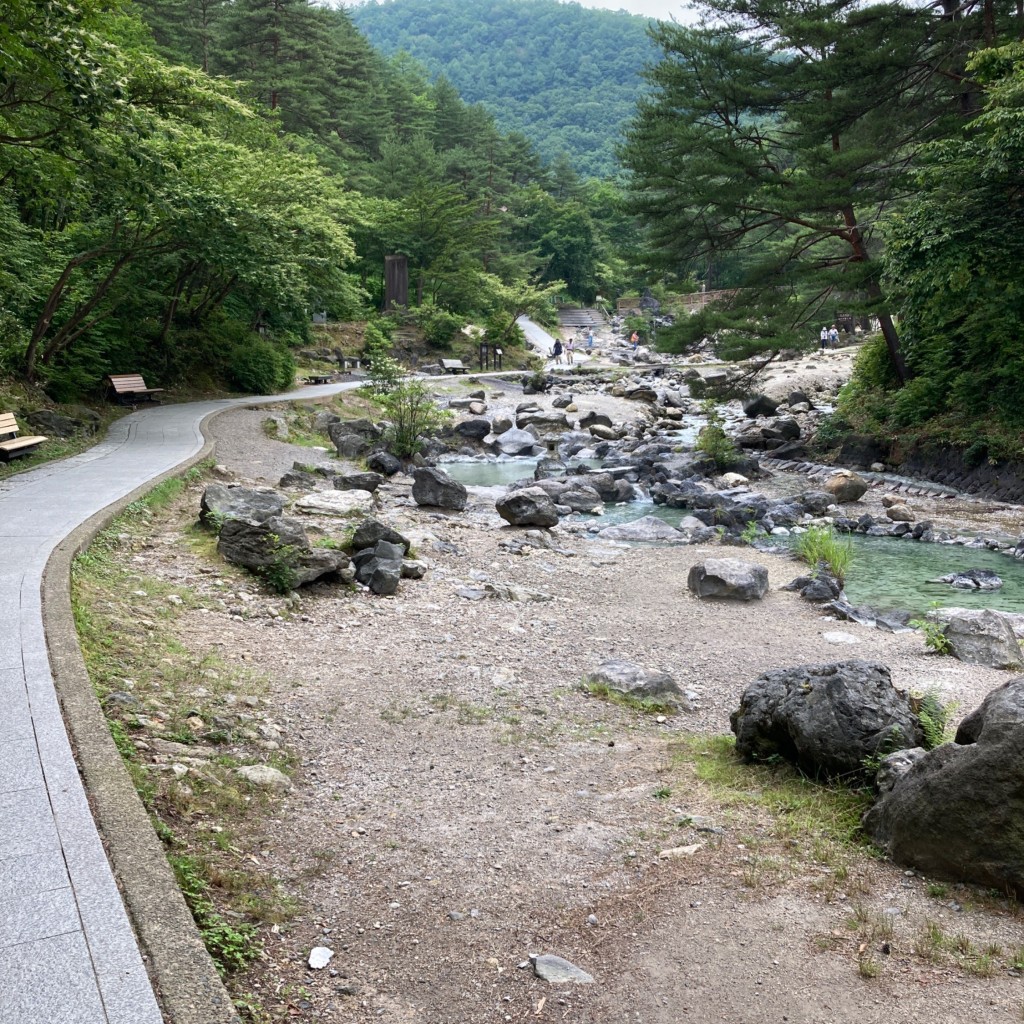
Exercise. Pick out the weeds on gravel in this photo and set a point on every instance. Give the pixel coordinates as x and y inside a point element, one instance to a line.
<point>151,687</point>
<point>646,705</point>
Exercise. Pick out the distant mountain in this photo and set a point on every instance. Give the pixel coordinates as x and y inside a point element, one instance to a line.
<point>565,76</point>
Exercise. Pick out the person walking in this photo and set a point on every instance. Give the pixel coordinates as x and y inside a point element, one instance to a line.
<point>833,336</point>
<point>635,341</point>
<point>824,338</point>
<point>590,339</point>
<point>570,348</point>
<point>556,351</point>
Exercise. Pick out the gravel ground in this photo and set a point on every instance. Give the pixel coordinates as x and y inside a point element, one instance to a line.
<point>460,803</point>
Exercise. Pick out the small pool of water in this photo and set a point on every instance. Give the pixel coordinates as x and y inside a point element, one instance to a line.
<point>485,473</point>
<point>888,574</point>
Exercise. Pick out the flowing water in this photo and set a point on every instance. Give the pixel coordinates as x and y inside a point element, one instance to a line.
<point>885,573</point>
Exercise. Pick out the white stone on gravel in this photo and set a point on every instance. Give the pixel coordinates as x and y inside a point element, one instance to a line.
<point>336,503</point>
<point>264,776</point>
<point>837,636</point>
<point>320,957</point>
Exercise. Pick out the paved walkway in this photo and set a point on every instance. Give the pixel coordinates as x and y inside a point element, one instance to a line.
<point>67,951</point>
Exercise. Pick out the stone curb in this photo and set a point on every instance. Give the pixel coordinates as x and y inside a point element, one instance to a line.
<point>184,978</point>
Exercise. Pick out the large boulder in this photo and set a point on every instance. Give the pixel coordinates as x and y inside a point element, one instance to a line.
<point>370,531</point>
<point>829,720</point>
<point>475,429</point>
<point>610,488</point>
<point>434,487</point>
<point>646,530</point>
<point>279,549</point>
<point>983,638</point>
<point>220,503</point>
<point>514,442</point>
<point>760,405</point>
<point>590,419</point>
<point>530,506</point>
<point>348,443</point>
<point>544,420</point>
<point>358,481</point>
<point>580,498</point>
<point>55,424</point>
<point>728,578</point>
<point>845,486</point>
<point>380,567</point>
<point>384,463</point>
<point>956,811</point>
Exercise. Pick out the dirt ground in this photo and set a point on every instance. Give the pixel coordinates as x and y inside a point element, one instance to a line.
<point>459,803</point>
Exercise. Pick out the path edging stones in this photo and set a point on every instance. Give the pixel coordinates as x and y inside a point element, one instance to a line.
<point>185,981</point>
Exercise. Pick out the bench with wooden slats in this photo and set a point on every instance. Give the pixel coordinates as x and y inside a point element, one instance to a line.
<point>454,366</point>
<point>129,388</point>
<point>11,445</point>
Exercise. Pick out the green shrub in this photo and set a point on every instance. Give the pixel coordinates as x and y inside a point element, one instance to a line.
<point>384,372</point>
<point>820,544</point>
<point>259,367</point>
<point>438,325</point>
<point>713,440</point>
<point>411,412</point>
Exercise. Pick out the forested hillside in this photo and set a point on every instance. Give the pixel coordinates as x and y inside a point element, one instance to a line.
<point>183,182</point>
<point>567,77</point>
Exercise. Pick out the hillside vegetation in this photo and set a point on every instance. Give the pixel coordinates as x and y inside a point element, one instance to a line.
<point>567,77</point>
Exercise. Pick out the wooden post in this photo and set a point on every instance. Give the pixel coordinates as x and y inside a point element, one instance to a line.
<point>396,281</point>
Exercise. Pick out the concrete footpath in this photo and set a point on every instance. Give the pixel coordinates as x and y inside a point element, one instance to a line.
<point>68,954</point>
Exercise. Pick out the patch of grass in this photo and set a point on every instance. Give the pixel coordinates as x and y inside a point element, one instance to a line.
<point>868,966</point>
<point>662,793</point>
<point>230,946</point>
<point>821,545</point>
<point>395,714</point>
<point>826,818</point>
<point>938,890</point>
<point>645,705</point>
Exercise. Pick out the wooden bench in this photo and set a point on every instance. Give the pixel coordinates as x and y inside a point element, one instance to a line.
<point>129,388</point>
<point>10,444</point>
<point>453,366</point>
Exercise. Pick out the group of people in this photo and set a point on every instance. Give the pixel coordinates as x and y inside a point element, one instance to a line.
<point>558,350</point>
<point>829,337</point>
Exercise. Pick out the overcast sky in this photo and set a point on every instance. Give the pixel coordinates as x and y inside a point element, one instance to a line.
<point>663,9</point>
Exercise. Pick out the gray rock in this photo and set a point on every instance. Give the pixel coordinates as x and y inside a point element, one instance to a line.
<point>55,424</point>
<point>530,506</point>
<point>646,530</point>
<point>591,419</point>
<point>277,426</point>
<point>434,487</point>
<point>956,811</point>
<point>348,444</point>
<point>634,680</point>
<point>413,570</point>
<point>370,531</point>
<point>384,463</point>
<point>984,638</point>
<point>265,777</point>
<point>299,480</point>
<point>829,720</point>
<point>358,481</point>
<point>580,498</point>
<point>729,579</point>
<point>475,429</point>
<point>514,441</point>
<point>973,579</point>
<point>336,503</point>
<point>760,405</point>
<point>544,420</point>
<point>220,503</point>
<point>275,543</point>
<point>558,971</point>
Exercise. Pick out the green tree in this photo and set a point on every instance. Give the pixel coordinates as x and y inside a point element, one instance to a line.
<point>953,266</point>
<point>780,133</point>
